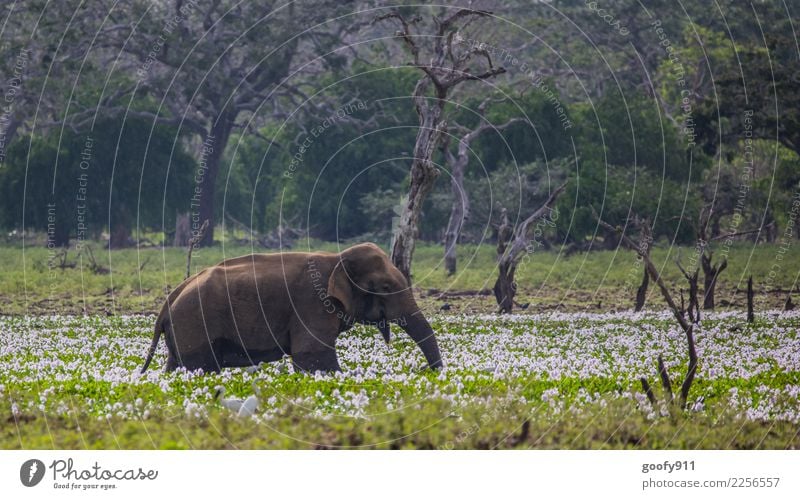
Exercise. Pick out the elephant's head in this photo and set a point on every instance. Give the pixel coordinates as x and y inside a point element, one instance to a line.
<point>373,291</point>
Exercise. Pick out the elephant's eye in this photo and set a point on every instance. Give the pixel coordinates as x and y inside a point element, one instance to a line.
<point>386,287</point>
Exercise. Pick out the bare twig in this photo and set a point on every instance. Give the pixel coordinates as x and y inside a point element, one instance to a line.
<point>93,265</point>
<point>649,392</point>
<point>743,233</point>
<point>665,382</point>
<point>687,327</point>
<point>63,264</point>
<point>654,274</point>
<point>145,262</point>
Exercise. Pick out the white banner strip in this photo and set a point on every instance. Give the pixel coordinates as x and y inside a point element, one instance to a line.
<point>331,474</point>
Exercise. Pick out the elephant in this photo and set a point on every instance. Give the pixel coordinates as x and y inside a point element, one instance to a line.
<point>261,307</point>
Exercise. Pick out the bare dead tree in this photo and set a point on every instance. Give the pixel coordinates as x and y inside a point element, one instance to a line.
<point>447,66</point>
<point>693,310</point>
<point>504,233</point>
<point>712,271</point>
<point>686,326</point>
<point>641,291</point>
<point>459,212</point>
<point>505,288</point>
<point>93,265</point>
<point>646,239</point>
<point>61,256</point>
<point>711,274</point>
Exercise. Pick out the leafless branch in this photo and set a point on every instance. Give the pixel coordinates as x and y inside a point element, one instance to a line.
<point>687,327</point>
<point>649,392</point>
<point>666,384</point>
<point>742,233</point>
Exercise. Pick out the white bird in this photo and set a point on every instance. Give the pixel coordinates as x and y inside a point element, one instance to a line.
<point>242,408</point>
<point>233,404</point>
<point>248,407</point>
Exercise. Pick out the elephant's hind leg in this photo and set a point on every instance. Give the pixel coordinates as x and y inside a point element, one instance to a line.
<point>173,361</point>
<point>310,362</point>
<point>172,364</point>
<point>209,358</point>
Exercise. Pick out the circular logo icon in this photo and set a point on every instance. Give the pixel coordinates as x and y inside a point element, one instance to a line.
<point>31,472</point>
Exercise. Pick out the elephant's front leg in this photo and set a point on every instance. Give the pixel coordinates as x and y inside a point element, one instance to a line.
<point>323,360</point>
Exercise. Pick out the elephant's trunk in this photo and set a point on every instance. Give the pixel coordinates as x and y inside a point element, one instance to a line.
<point>421,332</point>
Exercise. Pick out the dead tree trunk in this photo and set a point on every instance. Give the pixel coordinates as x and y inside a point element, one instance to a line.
<point>423,175</point>
<point>641,291</point>
<point>446,67</point>
<point>505,288</point>
<point>710,275</point>
<point>183,230</point>
<point>647,244</point>
<point>693,310</point>
<point>751,317</point>
<point>459,212</point>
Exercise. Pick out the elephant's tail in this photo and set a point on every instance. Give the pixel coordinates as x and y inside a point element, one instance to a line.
<point>158,330</point>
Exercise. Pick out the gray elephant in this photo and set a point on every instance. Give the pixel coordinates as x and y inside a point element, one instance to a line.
<point>260,307</point>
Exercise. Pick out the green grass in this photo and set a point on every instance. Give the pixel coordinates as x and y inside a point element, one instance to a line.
<point>617,425</point>
<point>599,280</point>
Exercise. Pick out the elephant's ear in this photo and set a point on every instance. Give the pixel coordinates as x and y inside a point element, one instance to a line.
<point>340,287</point>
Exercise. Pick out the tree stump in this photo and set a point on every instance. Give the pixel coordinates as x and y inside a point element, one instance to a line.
<point>183,230</point>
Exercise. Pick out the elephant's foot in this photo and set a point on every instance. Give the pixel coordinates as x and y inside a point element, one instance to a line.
<point>209,361</point>
<point>172,364</point>
<point>311,362</point>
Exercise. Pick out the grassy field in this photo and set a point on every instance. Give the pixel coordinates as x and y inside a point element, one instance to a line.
<point>535,381</point>
<point>135,280</point>
<point>563,374</point>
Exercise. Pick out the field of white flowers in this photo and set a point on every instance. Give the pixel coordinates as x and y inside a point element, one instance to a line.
<point>549,367</point>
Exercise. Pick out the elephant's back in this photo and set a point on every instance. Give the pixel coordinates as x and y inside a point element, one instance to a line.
<point>293,270</point>
<point>268,262</point>
<point>235,299</point>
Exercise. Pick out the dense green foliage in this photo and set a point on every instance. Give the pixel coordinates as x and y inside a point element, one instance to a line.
<point>654,112</point>
<point>120,176</point>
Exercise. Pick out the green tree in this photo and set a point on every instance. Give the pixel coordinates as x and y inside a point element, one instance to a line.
<point>120,176</point>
